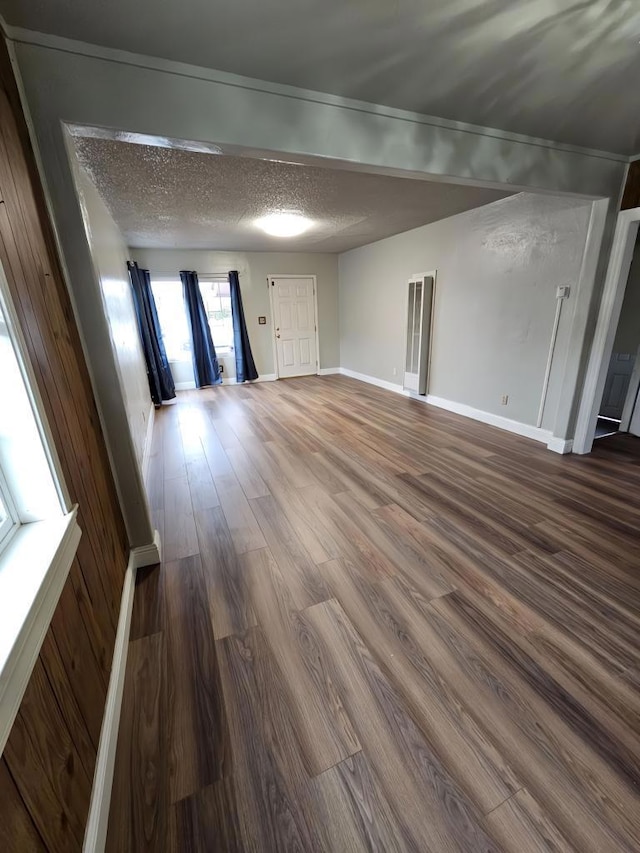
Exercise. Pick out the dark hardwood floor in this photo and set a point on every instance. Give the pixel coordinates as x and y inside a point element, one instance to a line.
<point>380,626</point>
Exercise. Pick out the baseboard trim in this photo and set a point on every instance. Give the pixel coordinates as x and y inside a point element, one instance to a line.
<point>373,380</point>
<point>527,430</point>
<point>95,836</point>
<point>148,440</point>
<point>191,386</point>
<point>560,445</point>
<point>147,555</point>
<point>328,371</point>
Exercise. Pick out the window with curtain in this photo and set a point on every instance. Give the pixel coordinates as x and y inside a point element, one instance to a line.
<point>173,318</point>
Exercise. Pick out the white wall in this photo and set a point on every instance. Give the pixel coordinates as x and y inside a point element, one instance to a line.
<point>253,268</point>
<point>110,257</point>
<point>110,351</point>
<point>498,268</point>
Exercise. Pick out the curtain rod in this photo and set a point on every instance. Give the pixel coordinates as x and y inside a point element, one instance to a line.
<point>165,276</point>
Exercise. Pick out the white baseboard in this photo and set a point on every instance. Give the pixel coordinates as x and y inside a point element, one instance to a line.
<point>499,421</point>
<point>527,430</point>
<point>191,386</point>
<point>560,445</point>
<point>373,380</point>
<point>96,831</point>
<point>328,371</point>
<point>146,456</point>
<point>147,555</point>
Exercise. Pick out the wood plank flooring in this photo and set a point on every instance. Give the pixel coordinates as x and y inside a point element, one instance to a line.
<point>380,626</point>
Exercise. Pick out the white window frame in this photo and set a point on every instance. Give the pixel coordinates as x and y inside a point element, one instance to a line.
<point>37,551</point>
<point>9,526</point>
<point>218,278</point>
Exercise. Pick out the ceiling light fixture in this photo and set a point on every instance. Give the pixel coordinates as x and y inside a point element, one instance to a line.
<point>284,223</point>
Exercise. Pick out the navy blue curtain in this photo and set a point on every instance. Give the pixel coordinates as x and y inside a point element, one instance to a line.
<point>245,365</point>
<point>203,352</point>
<point>158,371</point>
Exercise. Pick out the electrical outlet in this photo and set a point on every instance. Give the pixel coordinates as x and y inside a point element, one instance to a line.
<point>394,371</point>
<point>505,399</point>
<point>221,367</point>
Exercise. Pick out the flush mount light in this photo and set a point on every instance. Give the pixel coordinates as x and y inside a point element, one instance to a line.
<point>284,223</point>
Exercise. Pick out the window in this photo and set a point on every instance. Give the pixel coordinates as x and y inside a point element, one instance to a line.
<point>216,295</point>
<point>173,319</point>
<point>39,534</point>
<point>172,315</point>
<point>27,489</point>
<point>7,518</point>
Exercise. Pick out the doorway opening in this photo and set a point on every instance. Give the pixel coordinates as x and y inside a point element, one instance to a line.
<point>620,396</point>
<point>610,401</point>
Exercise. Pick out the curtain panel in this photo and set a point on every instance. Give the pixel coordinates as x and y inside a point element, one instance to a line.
<point>161,383</point>
<point>245,365</point>
<point>203,352</point>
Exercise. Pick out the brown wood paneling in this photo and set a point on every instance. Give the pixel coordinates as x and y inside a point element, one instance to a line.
<point>17,830</point>
<point>631,195</point>
<point>49,758</point>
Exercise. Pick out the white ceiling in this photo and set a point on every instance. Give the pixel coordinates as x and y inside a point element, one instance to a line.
<point>565,70</point>
<point>164,198</point>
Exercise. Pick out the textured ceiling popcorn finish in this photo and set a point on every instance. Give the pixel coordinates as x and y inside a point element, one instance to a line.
<point>164,198</point>
<point>563,70</point>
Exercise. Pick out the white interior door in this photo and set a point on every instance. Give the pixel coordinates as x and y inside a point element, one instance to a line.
<point>294,320</point>
<point>617,385</point>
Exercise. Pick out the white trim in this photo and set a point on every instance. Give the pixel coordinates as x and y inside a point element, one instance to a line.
<point>560,445</point>
<point>527,430</point>
<point>507,424</point>
<point>373,380</point>
<point>549,364</point>
<point>185,386</point>
<point>47,549</point>
<point>328,371</point>
<point>96,830</point>
<point>609,314</point>
<point>66,45</point>
<point>147,555</point>
<point>148,441</point>
<point>265,377</point>
<point>270,278</point>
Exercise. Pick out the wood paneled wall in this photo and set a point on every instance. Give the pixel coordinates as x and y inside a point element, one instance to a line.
<point>46,770</point>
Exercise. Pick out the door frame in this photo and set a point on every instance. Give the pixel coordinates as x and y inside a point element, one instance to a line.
<point>270,277</point>
<point>632,395</point>
<point>420,276</point>
<point>610,306</point>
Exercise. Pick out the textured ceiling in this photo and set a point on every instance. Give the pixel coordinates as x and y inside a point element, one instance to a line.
<point>163,197</point>
<point>566,70</point>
